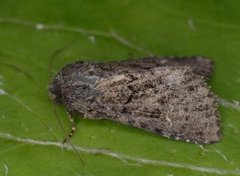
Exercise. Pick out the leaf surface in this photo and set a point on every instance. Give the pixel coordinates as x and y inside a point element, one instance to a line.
<point>37,38</point>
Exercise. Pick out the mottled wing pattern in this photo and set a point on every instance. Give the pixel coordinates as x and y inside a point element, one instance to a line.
<point>171,101</point>
<point>166,95</point>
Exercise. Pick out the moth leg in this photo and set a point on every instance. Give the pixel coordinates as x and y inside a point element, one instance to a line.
<point>73,128</point>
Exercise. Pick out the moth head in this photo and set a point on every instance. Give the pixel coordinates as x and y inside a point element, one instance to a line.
<point>54,89</point>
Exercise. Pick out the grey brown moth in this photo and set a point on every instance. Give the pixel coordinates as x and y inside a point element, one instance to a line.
<point>164,95</point>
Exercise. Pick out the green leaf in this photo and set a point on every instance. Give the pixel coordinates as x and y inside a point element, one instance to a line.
<point>37,38</point>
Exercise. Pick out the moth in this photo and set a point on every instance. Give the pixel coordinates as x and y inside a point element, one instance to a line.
<point>164,95</point>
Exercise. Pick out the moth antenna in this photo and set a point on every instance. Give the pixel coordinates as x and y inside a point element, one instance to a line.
<point>57,118</point>
<point>75,150</point>
<point>64,131</point>
<point>56,53</point>
<point>53,56</point>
